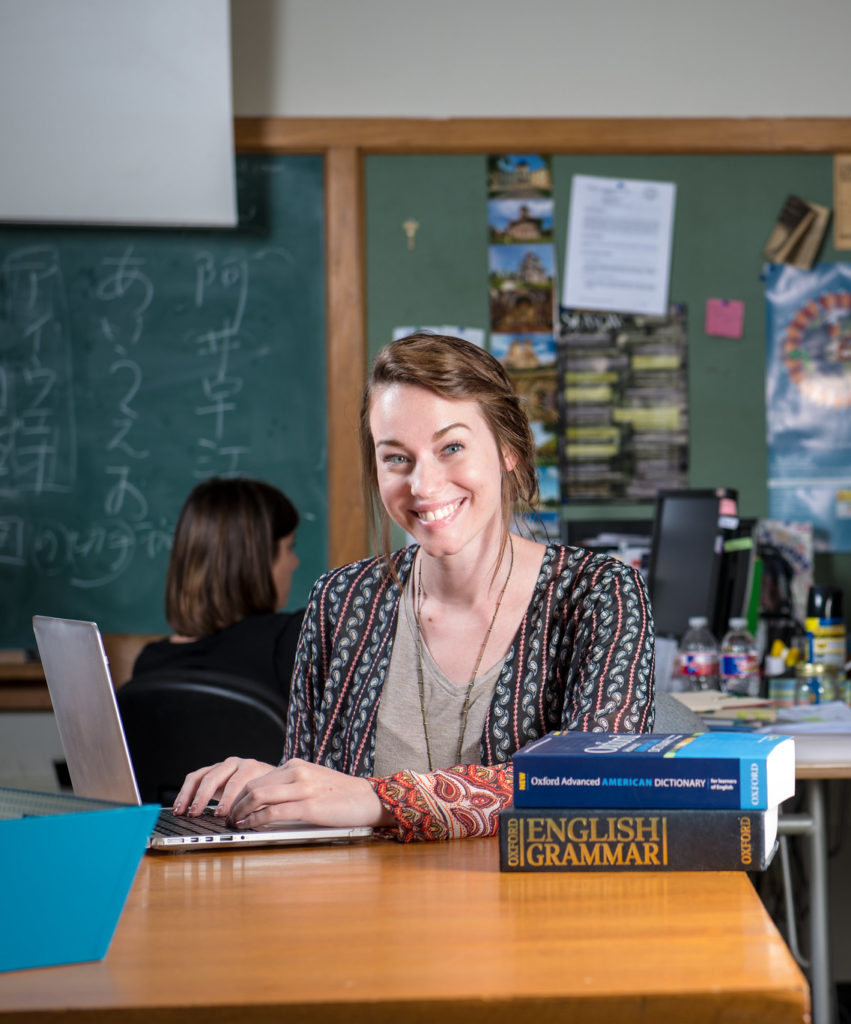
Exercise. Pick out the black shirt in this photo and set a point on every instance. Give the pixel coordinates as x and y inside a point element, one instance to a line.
<point>260,647</point>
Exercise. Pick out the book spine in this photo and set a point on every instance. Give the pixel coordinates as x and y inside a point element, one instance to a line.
<point>605,840</point>
<point>623,781</point>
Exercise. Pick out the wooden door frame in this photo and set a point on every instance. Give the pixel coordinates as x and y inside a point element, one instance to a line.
<point>343,143</point>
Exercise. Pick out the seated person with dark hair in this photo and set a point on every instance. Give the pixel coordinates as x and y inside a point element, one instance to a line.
<point>231,567</point>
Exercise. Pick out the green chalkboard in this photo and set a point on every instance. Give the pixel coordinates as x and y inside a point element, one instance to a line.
<point>134,363</point>
<point>725,208</point>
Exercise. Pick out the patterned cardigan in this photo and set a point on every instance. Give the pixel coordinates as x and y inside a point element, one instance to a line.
<point>582,658</point>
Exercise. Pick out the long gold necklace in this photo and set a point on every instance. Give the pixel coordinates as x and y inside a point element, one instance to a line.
<point>466,707</point>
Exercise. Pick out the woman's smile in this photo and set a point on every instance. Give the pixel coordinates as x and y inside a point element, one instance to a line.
<point>436,515</point>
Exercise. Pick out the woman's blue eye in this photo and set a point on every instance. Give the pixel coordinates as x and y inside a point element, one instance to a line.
<point>394,460</point>
<point>454,446</point>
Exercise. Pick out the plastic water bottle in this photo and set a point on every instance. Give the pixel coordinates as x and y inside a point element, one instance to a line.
<point>697,656</point>
<point>739,660</point>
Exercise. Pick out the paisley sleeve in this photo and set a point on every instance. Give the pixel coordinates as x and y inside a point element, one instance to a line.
<point>612,657</point>
<point>303,688</point>
<point>454,803</point>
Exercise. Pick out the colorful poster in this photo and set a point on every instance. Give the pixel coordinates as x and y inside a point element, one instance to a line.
<point>808,399</point>
<point>521,281</point>
<point>623,405</point>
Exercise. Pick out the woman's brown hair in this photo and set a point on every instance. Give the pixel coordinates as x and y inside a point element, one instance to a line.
<point>454,369</point>
<point>224,545</point>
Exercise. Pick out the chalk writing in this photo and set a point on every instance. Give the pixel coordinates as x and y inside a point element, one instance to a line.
<point>37,414</point>
<point>129,292</point>
<point>12,540</point>
<point>90,556</point>
<point>128,414</point>
<point>125,281</point>
<point>220,387</point>
<point>37,426</point>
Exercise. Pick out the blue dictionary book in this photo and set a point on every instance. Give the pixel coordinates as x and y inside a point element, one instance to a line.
<point>735,770</point>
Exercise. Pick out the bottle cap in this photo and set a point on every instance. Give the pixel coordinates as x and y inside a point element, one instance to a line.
<point>738,623</point>
<point>775,665</point>
<point>696,621</point>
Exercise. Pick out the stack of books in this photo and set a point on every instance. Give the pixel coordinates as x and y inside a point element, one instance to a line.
<point>653,802</point>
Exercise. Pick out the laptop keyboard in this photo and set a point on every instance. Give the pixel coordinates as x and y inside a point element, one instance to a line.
<point>176,825</point>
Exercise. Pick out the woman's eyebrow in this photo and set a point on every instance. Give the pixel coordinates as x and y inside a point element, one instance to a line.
<point>435,436</point>
<point>445,430</point>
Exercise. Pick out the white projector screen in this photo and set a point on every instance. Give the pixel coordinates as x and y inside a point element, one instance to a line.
<point>116,112</point>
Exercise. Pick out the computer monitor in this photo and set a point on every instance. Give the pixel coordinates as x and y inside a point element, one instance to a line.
<point>687,573</point>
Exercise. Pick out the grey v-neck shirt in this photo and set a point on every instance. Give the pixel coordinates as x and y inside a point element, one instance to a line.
<point>400,736</point>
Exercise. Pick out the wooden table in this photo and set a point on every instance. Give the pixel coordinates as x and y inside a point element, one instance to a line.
<point>377,931</point>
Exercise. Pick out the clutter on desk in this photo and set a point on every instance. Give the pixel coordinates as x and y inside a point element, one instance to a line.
<point>724,711</point>
<point>830,717</point>
<point>739,660</point>
<point>825,627</point>
<point>697,656</point>
<point>817,683</point>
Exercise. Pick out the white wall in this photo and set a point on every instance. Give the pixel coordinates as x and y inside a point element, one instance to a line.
<point>553,58</point>
<point>116,112</point>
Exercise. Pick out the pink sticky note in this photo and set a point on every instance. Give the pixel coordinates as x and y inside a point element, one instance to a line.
<point>725,318</point>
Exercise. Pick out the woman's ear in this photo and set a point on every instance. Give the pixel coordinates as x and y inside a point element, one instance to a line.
<point>509,460</point>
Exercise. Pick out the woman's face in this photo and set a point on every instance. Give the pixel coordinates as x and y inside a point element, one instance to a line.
<point>438,465</point>
<point>285,564</point>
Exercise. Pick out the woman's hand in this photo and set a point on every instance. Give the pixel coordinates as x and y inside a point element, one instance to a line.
<point>301,791</point>
<point>223,781</point>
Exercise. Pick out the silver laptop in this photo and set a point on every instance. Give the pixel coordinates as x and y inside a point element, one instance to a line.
<point>78,678</point>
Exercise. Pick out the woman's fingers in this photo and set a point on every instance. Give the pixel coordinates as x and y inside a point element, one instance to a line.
<point>247,770</point>
<point>224,781</point>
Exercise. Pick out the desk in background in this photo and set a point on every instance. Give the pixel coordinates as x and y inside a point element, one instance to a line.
<point>30,749</point>
<point>818,757</point>
<point>22,685</point>
<point>377,931</point>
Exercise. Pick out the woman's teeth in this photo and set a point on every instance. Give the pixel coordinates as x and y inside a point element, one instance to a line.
<point>436,514</point>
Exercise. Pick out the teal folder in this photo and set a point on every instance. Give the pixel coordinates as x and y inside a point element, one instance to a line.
<point>66,866</point>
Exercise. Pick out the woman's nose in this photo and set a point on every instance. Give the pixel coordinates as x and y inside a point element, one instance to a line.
<point>426,479</point>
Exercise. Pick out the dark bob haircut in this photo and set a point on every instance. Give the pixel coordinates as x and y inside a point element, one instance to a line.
<point>225,543</point>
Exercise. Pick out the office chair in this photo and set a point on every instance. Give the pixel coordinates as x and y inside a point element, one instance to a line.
<point>673,716</point>
<point>177,722</point>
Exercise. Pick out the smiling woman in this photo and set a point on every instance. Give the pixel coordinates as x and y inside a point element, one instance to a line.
<point>420,672</point>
